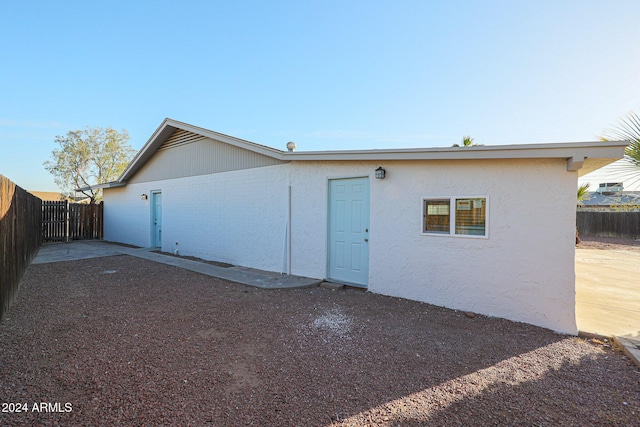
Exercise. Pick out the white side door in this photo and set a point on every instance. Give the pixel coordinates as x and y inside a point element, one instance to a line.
<point>348,231</point>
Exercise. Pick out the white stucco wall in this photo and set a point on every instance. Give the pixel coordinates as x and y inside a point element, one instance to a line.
<point>524,270</point>
<point>237,217</point>
<point>127,216</point>
<point>309,188</point>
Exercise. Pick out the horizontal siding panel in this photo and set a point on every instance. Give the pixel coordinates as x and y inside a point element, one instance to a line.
<point>187,154</point>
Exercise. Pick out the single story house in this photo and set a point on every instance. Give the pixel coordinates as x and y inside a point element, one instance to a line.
<point>487,229</point>
<point>611,197</point>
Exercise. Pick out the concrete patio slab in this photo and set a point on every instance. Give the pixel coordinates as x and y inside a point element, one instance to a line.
<point>608,292</point>
<point>608,296</point>
<point>59,252</point>
<point>631,348</point>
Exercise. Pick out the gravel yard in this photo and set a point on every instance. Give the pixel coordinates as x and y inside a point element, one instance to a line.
<point>125,341</point>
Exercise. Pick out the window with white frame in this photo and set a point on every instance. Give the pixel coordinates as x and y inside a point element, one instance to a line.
<point>458,216</point>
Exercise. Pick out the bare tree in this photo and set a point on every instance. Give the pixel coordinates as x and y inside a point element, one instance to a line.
<point>90,156</point>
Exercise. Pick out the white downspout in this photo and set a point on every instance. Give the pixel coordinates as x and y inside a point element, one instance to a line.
<point>286,247</point>
<point>289,233</point>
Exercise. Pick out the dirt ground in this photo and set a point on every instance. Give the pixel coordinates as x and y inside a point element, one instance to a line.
<point>608,243</point>
<point>125,341</point>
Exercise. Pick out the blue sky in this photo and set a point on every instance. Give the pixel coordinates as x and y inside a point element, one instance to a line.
<point>326,74</point>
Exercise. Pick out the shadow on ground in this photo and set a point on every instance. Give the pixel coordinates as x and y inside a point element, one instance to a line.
<point>127,341</point>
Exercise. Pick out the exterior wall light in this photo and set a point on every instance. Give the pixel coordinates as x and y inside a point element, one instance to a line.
<point>380,173</point>
<point>144,197</point>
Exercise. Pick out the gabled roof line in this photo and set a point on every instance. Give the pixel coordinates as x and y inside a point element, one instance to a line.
<point>232,140</point>
<point>580,156</point>
<point>166,129</point>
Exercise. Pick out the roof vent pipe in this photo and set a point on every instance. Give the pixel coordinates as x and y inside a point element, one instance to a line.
<point>291,146</point>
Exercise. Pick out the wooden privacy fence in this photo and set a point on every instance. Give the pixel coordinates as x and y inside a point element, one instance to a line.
<point>63,221</point>
<point>624,225</point>
<point>20,237</point>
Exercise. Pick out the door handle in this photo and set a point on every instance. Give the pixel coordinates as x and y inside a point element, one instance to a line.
<point>366,240</point>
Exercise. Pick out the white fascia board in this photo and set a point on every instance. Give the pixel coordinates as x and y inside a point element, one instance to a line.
<point>583,157</point>
<point>157,138</point>
<point>609,150</point>
<point>104,185</point>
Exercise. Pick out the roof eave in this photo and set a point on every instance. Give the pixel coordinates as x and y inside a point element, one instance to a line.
<point>111,184</point>
<point>166,129</point>
<point>546,150</point>
<point>583,157</point>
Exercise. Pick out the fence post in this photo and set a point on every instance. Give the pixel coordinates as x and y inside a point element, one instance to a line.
<point>66,221</point>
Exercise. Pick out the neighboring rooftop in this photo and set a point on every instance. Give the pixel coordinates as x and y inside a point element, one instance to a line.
<point>611,196</point>
<point>49,196</point>
<point>53,196</point>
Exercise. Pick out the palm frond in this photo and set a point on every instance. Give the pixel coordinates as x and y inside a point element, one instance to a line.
<point>627,130</point>
<point>583,192</point>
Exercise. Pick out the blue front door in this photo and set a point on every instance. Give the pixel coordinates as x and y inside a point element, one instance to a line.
<point>348,242</point>
<point>156,219</point>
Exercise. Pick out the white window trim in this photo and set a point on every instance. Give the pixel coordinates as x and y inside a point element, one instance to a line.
<point>452,217</point>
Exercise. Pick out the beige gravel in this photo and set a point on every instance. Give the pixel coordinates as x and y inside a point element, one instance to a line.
<point>126,341</point>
